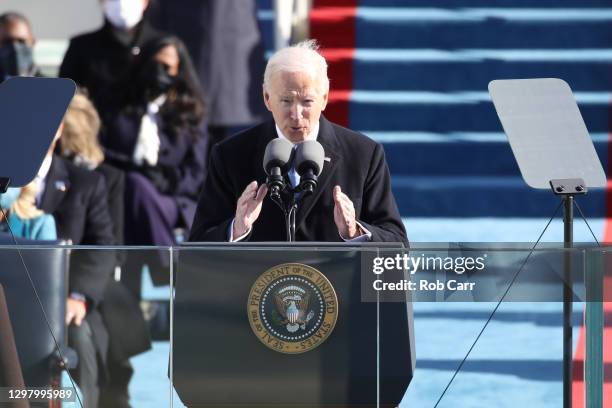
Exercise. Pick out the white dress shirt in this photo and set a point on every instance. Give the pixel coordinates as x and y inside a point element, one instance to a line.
<point>147,144</point>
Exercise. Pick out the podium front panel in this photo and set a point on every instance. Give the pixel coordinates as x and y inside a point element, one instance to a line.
<point>293,353</point>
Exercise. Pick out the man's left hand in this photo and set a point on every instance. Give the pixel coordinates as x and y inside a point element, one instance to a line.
<point>344,215</point>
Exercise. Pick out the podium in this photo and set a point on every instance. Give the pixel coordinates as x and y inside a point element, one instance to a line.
<point>284,324</point>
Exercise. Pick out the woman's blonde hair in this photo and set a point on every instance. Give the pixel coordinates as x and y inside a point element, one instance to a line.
<point>80,135</point>
<point>25,205</point>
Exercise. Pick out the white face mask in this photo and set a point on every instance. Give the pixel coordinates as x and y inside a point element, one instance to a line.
<point>124,14</point>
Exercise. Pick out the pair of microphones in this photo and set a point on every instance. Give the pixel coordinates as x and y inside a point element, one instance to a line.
<point>306,158</point>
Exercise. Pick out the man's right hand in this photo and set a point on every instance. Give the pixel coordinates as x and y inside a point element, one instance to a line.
<point>248,208</point>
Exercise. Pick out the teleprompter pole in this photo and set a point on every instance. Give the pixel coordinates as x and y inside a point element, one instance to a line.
<point>568,189</point>
<point>568,240</point>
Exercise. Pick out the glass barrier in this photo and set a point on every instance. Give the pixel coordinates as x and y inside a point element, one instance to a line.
<point>450,324</point>
<point>594,351</point>
<point>76,307</point>
<point>464,324</point>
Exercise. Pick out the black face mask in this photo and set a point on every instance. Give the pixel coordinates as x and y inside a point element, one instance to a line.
<point>156,80</point>
<point>16,59</point>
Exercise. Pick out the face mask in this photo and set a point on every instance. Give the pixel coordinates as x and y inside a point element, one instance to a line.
<point>157,80</point>
<point>16,59</point>
<point>123,14</point>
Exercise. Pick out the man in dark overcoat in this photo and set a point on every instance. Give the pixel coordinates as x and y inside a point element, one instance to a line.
<point>100,61</point>
<point>353,200</point>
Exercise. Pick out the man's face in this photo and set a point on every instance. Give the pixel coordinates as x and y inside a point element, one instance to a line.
<point>296,102</point>
<point>17,31</point>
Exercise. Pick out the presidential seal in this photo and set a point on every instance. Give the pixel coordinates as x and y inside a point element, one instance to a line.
<point>292,308</point>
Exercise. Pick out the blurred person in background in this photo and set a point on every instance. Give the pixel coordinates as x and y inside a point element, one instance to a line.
<point>291,22</point>
<point>128,334</point>
<point>99,61</point>
<point>224,40</point>
<point>77,200</point>
<point>156,136</point>
<point>25,219</point>
<point>16,47</point>
<point>79,144</point>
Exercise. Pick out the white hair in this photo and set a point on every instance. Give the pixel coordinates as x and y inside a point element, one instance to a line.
<point>301,57</point>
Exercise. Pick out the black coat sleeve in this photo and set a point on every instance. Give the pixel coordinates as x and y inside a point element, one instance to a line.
<point>216,206</point>
<point>115,183</point>
<point>70,67</point>
<point>90,269</point>
<point>190,174</point>
<point>379,212</point>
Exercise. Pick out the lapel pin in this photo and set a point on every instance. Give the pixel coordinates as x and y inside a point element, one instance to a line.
<point>60,185</point>
<point>327,159</point>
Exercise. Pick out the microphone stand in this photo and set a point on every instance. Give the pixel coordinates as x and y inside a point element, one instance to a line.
<point>288,199</point>
<point>290,221</point>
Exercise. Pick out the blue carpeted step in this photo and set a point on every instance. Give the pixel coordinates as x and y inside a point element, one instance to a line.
<point>419,114</point>
<point>382,27</point>
<point>265,18</point>
<point>388,30</point>
<point>405,27</point>
<point>456,4</point>
<point>429,196</point>
<point>265,4</point>
<point>450,75</point>
<point>458,154</point>
<point>420,88</point>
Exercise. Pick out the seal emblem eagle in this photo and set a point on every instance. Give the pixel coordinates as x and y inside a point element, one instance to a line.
<point>292,308</point>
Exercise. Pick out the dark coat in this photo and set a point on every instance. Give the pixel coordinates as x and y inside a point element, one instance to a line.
<point>101,60</point>
<point>356,163</point>
<point>121,313</point>
<point>77,200</point>
<point>115,184</point>
<point>226,47</point>
<point>181,164</point>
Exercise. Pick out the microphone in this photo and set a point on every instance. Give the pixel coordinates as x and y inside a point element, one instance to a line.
<point>309,164</point>
<point>275,164</point>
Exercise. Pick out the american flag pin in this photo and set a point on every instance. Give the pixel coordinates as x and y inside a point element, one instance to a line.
<point>60,185</point>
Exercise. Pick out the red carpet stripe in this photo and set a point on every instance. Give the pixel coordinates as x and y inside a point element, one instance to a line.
<point>332,23</point>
